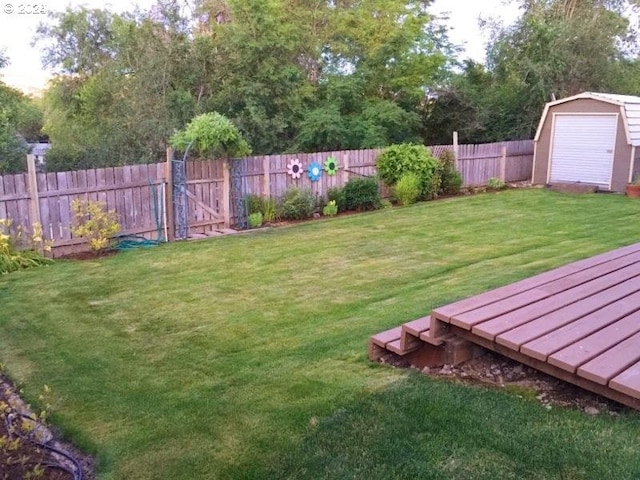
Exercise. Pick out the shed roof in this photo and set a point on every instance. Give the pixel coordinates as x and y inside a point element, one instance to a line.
<point>629,106</point>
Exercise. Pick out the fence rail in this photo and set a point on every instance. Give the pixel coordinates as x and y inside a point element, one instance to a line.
<point>141,194</point>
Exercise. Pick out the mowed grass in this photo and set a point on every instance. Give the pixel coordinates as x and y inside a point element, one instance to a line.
<point>245,356</point>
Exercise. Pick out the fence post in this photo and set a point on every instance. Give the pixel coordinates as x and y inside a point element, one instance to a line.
<point>266,180</point>
<point>503,164</point>
<point>345,169</point>
<point>168,175</point>
<point>456,150</point>
<point>34,198</point>
<point>226,193</point>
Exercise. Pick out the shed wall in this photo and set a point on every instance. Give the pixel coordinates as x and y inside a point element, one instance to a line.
<point>622,154</point>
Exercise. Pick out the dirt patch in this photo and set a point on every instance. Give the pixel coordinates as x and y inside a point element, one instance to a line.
<point>30,449</point>
<point>89,255</point>
<point>495,371</point>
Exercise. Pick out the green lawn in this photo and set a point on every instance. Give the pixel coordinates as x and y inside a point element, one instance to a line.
<point>245,356</point>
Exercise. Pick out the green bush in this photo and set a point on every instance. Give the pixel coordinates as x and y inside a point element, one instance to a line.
<point>450,178</point>
<point>362,194</point>
<point>385,203</point>
<point>336,194</point>
<point>407,190</point>
<point>495,184</point>
<point>255,220</point>
<point>330,209</point>
<point>270,210</point>
<point>298,204</point>
<point>397,160</point>
<point>255,204</point>
<point>11,257</point>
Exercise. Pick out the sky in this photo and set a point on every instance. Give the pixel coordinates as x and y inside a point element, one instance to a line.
<point>18,23</point>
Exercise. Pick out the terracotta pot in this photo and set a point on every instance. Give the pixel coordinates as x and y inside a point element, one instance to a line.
<point>633,191</point>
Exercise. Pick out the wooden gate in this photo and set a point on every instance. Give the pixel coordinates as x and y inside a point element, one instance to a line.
<point>200,197</point>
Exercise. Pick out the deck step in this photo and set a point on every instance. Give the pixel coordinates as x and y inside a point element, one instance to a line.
<point>383,338</point>
<point>411,332</point>
<point>418,326</point>
<point>396,347</point>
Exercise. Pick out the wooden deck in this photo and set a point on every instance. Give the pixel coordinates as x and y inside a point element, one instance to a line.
<point>579,323</point>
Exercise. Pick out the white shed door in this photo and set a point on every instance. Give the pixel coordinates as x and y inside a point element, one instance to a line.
<point>582,149</point>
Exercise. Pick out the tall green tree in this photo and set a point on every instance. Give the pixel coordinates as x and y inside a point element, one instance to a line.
<point>557,48</point>
<point>20,122</point>
<point>323,72</point>
<point>277,68</point>
<point>115,100</point>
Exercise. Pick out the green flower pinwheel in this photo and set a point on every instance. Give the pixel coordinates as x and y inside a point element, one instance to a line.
<point>331,166</point>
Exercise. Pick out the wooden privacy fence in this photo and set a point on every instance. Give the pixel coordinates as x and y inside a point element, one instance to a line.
<point>143,195</point>
<point>135,192</point>
<point>508,161</point>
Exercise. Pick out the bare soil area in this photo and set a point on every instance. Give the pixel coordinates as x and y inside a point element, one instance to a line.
<point>496,371</point>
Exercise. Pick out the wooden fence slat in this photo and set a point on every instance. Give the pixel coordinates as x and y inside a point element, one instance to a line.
<point>3,204</point>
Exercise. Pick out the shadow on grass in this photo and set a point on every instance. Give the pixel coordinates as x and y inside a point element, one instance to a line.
<point>421,428</point>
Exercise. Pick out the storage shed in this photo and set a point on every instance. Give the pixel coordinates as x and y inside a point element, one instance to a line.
<point>590,138</point>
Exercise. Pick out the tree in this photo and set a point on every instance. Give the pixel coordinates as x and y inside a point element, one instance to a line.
<point>320,68</point>
<point>20,121</point>
<point>117,99</point>
<point>276,68</point>
<point>556,49</point>
<point>211,134</point>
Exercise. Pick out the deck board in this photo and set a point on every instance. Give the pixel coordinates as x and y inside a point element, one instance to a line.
<point>612,362</point>
<point>583,282</point>
<point>584,350</point>
<point>558,338</point>
<point>628,382</point>
<point>446,312</point>
<point>383,338</point>
<point>416,327</point>
<point>546,320</point>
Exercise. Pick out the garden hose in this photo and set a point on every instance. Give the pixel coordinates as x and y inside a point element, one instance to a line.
<point>129,242</point>
<point>75,472</point>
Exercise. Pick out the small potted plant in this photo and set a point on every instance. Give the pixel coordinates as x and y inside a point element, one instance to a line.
<point>633,188</point>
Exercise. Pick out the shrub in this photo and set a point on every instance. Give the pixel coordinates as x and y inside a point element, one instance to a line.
<point>362,194</point>
<point>270,210</point>
<point>267,206</point>
<point>298,204</point>
<point>92,221</point>
<point>450,178</point>
<point>11,257</point>
<point>336,194</point>
<point>330,209</point>
<point>255,220</point>
<point>407,190</point>
<point>397,160</point>
<point>495,184</point>
<point>384,203</point>
<point>255,204</point>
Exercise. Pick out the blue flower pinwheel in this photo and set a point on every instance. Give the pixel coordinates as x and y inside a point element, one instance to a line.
<point>314,171</point>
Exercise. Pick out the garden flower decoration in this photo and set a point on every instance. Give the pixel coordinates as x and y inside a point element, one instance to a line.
<point>294,168</point>
<point>331,166</point>
<point>314,171</point>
